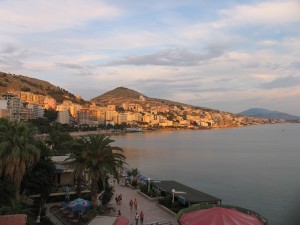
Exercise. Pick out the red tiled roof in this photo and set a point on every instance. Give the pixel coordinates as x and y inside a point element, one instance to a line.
<point>17,219</point>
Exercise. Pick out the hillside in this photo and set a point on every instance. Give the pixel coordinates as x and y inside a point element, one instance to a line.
<point>12,82</point>
<point>264,113</point>
<point>122,94</point>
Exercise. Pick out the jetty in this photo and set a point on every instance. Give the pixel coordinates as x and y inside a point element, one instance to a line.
<point>184,194</point>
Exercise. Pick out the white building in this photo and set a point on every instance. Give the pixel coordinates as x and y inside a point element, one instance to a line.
<point>37,111</point>
<point>63,117</point>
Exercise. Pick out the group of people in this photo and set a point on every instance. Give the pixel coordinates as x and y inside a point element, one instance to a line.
<point>118,199</point>
<point>139,218</point>
<point>133,203</point>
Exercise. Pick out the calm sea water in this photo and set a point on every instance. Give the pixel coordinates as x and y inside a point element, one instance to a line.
<point>254,167</point>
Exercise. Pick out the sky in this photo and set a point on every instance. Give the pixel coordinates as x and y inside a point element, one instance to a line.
<point>228,55</point>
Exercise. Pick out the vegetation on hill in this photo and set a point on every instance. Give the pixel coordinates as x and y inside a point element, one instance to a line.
<point>12,82</point>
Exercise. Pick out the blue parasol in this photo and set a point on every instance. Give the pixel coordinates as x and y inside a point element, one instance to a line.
<point>79,205</point>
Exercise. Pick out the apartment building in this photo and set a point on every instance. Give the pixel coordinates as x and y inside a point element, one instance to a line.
<point>3,108</point>
<point>14,106</point>
<point>37,111</point>
<point>63,117</point>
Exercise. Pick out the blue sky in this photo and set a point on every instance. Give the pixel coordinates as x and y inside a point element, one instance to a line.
<point>227,55</point>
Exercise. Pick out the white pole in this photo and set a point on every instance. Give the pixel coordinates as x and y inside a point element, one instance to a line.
<point>148,184</point>
<point>173,193</point>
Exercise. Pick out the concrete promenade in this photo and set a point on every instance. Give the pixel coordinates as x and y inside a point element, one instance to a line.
<point>152,212</point>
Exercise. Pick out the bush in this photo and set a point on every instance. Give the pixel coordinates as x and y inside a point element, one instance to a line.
<point>144,189</point>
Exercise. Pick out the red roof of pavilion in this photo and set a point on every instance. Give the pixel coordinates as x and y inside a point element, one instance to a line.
<point>218,216</point>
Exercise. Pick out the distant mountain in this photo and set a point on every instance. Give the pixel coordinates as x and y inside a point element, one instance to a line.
<point>12,82</point>
<point>264,113</point>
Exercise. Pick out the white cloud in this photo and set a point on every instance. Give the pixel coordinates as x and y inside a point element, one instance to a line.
<point>264,13</point>
<point>35,16</point>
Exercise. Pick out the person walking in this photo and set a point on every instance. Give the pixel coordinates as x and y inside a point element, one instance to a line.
<point>136,218</point>
<point>131,204</point>
<point>135,203</point>
<point>142,217</point>
<point>119,212</point>
<point>120,199</point>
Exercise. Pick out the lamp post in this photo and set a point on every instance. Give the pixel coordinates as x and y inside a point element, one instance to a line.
<point>173,194</point>
<point>176,192</point>
<point>149,184</point>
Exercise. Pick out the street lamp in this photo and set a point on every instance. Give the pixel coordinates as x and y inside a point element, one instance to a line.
<point>148,184</point>
<point>173,194</point>
<point>176,192</point>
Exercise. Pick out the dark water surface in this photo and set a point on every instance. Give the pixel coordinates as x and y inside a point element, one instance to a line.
<point>254,167</point>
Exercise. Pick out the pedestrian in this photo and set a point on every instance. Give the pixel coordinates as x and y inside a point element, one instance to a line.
<point>120,199</point>
<point>135,203</point>
<point>117,200</point>
<point>131,204</point>
<point>142,217</point>
<point>136,218</point>
<point>119,212</point>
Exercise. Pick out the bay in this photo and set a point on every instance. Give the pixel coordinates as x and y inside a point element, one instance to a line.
<point>254,167</point>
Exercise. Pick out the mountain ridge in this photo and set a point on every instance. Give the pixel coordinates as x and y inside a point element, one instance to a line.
<point>268,114</point>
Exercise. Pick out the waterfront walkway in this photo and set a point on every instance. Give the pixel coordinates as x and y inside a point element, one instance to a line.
<point>152,211</point>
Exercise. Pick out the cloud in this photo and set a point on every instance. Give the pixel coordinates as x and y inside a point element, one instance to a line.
<point>173,57</point>
<point>295,64</point>
<point>35,16</point>
<point>282,82</point>
<point>264,13</point>
<point>79,69</point>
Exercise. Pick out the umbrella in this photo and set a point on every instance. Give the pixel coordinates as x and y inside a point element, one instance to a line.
<point>79,205</point>
<point>218,216</point>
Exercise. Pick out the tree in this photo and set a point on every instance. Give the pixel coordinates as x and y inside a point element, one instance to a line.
<point>18,152</point>
<point>7,190</point>
<point>99,158</point>
<point>51,115</point>
<point>40,179</point>
<point>60,141</point>
<point>106,191</point>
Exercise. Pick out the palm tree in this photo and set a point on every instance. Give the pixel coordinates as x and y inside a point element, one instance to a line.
<point>99,158</point>
<point>18,152</point>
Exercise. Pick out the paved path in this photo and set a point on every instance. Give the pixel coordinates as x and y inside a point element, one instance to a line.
<point>153,213</point>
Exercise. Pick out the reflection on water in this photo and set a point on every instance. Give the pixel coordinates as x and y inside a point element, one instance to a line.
<point>253,167</point>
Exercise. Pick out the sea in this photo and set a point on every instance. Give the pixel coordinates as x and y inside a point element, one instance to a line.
<point>255,167</point>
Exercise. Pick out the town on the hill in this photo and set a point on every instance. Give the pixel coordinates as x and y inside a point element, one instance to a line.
<point>23,106</point>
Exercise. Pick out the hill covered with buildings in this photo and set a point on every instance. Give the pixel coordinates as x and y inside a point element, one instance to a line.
<point>24,98</point>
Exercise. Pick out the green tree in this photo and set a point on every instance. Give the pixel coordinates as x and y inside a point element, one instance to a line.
<point>40,179</point>
<point>7,190</point>
<point>18,152</point>
<point>60,142</point>
<point>99,158</point>
<point>51,115</point>
<point>107,191</point>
